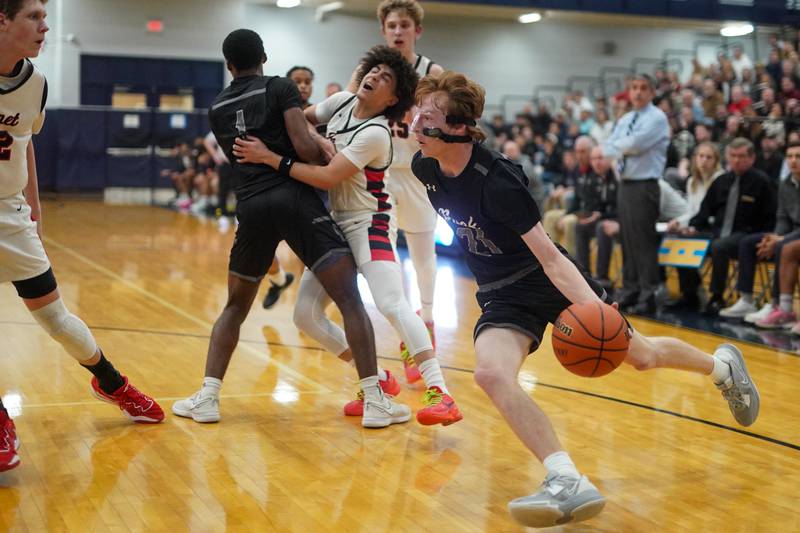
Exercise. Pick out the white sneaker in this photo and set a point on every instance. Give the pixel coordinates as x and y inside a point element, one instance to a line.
<point>761,314</point>
<point>198,407</point>
<point>738,310</point>
<point>561,499</point>
<point>384,412</point>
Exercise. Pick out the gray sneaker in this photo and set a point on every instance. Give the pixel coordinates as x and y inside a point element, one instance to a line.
<point>562,499</point>
<point>383,413</point>
<point>200,408</point>
<point>739,389</point>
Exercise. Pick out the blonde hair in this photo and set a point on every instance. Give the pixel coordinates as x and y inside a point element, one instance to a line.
<point>455,95</point>
<point>408,7</point>
<point>696,178</point>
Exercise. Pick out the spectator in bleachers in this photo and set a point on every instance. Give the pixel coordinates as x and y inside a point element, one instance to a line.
<point>786,277</point>
<point>740,62</point>
<point>602,127</point>
<point>639,144</point>
<point>739,100</point>
<point>595,202</point>
<point>712,98</point>
<point>789,90</point>
<point>183,175</point>
<point>739,202</point>
<point>766,247</point>
<point>770,159</point>
<point>733,126</point>
<point>332,88</point>
<point>774,124</point>
<point>512,151</point>
<point>552,161</point>
<point>773,67</point>
<point>767,100</point>
<point>558,221</point>
<point>691,102</point>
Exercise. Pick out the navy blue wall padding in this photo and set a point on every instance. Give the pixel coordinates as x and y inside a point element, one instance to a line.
<point>130,171</point>
<point>134,135</point>
<point>81,150</point>
<point>152,76</point>
<point>166,135</point>
<point>46,148</point>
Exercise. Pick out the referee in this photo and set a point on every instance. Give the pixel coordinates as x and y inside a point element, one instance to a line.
<point>639,144</point>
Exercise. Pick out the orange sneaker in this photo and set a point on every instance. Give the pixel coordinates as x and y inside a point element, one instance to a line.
<point>390,387</point>
<point>136,405</point>
<point>9,444</point>
<point>440,409</point>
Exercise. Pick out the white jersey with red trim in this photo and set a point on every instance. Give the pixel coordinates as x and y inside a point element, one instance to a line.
<point>403,142</point>
<point>22,99</point>
<point>367,143</point>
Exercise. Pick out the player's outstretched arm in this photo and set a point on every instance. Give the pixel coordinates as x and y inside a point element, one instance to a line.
<point>252,150</point>
<point>31,190</point>
<point>561,271</point>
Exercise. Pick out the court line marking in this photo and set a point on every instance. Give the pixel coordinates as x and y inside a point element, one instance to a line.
<point>471,371</point>
<point>177,310</point>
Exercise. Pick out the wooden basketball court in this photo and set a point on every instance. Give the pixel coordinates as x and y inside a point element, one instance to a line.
<point>661,445</point>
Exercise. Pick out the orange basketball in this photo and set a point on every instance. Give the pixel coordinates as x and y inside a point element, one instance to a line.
<point>590,339</point>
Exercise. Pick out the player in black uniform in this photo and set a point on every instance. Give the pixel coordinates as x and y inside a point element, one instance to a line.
<point>272,207</point>
<point>524,282</point>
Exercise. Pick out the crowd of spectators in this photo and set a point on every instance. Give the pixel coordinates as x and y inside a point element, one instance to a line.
<point>718,106</point>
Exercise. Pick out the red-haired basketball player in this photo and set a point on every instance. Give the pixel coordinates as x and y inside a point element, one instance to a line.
<point>357,124</point>
<point>23,261</point>
<point>524,282</point>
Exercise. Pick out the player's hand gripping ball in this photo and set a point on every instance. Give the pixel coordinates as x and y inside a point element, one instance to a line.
<point>591,339</point>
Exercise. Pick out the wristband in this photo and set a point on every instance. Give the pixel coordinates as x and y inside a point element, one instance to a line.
<point>285,166</point>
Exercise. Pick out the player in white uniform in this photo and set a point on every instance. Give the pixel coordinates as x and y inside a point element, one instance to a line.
<point>23,261</point>
<point>362,208</point>
<point>401,26</point>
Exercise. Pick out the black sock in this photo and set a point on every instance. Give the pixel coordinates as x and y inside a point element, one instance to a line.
<point>107,376</point>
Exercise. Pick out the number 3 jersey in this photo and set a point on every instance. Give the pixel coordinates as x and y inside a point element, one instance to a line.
<point>488,207</point>
<point>22,99</point>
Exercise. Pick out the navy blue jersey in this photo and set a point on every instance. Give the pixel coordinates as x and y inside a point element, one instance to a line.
<point>489,207</point>
<point>262,101</point>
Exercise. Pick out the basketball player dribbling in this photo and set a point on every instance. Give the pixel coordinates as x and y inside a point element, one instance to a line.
<point>401,26</point>
<point>524,282</point>
<point>23,261</point>
<point>357,124</point>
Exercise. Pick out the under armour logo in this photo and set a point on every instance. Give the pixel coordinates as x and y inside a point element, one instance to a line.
<point>430,187</point>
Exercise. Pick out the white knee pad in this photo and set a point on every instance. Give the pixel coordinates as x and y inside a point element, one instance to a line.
<point>310,318</point>
<point>67,329</point>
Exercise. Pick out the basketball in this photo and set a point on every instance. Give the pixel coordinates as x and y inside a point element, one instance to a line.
<point>590,339</point>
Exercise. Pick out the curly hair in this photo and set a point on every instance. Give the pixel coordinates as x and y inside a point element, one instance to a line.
<point>405,76</point>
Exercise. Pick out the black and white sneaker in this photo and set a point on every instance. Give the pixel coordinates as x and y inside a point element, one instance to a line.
<point>274,292</point>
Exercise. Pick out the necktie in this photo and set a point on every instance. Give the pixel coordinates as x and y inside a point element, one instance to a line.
<point>628,133</point>
<point>730,209</point>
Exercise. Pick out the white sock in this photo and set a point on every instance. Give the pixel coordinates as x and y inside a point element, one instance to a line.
<point>426,312</point>
<point>211,386</point>
<point>785,302</point>
<point>432,374</point>
<point>561,463</point>
<point>722,370</point>
<point>371,389</point>
<point>382,375</point>
<point>279,278</point>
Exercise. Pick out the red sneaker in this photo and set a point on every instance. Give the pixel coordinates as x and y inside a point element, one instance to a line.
<point>136,405</point>
<point>390,387</point>
<point>9,444</point>
<point>440,409</point>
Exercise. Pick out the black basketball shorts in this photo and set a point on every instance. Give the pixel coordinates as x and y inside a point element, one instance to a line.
<point>527,305</point>
<point>292,212</point>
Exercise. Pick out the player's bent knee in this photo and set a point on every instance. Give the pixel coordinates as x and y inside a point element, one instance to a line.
<point>490,378</point>
<point>66,329</point>
<point>41,285</point>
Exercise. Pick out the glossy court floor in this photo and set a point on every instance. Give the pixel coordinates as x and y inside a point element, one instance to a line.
<point>660,445</point>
